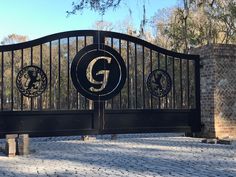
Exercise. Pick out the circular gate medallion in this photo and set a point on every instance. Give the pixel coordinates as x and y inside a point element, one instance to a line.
<point>159,83</point>
<point>31,81</point>
<point>98,72</point>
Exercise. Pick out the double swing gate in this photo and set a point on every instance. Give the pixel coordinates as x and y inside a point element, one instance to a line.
<point>96,82</point>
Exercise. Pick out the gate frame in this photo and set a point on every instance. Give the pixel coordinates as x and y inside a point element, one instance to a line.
<point>97,118</point>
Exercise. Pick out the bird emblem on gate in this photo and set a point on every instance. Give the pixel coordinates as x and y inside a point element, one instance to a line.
<point>159,83</point>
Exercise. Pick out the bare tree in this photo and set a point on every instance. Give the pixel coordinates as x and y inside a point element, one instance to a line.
<point>14,38</point>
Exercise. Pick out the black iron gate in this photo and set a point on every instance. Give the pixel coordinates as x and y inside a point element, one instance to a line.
<point>161,92</point>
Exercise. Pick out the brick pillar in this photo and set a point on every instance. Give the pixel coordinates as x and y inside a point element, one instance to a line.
<point>218,90</point>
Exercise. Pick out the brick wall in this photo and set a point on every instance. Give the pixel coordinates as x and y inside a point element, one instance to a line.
<point>218,90</point>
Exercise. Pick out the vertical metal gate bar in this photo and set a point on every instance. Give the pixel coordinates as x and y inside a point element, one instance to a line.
<point>85,41</point>
<point>41,66</point>
<point>31,56</point>
<point>166,97</point>
<point>158,66</point>
<point>12,75</point>
<point>197,93</point>
<point>2,81</point>
<point>173,80</point>
<point>181,83</point>
<point>151,71</point>
<point>85,100</point>
<point>21,95</point>
<point>41,56</point>
<point>99,106</point>
<point>143,57</point>
<point>112,42</point>
<point>68,73</point>
<point>77,94</point>
<point>188,84</point>
<point>112,100</point>
<point>127,55</point>
<point>136,78</point>
<point>59,73</point>
<point>120,91</point>
<point>50,75</point>
<point>31,62</point>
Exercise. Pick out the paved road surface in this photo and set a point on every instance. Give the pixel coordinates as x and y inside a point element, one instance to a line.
<point>138,155</point>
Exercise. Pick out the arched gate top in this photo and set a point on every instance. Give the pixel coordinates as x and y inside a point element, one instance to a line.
<point>95,34</point>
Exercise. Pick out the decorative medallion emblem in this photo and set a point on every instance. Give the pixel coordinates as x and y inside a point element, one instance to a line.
<point>98,72</point>
<point>31,81</point>
<point>159,83</point>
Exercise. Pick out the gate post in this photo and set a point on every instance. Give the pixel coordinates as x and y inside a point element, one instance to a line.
<point>99,107</point>
<point>218,90</point>
<point>10,148</point>
<point>23,144</point>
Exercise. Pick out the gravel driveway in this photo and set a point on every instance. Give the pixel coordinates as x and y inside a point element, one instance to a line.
<point>138,155</point>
